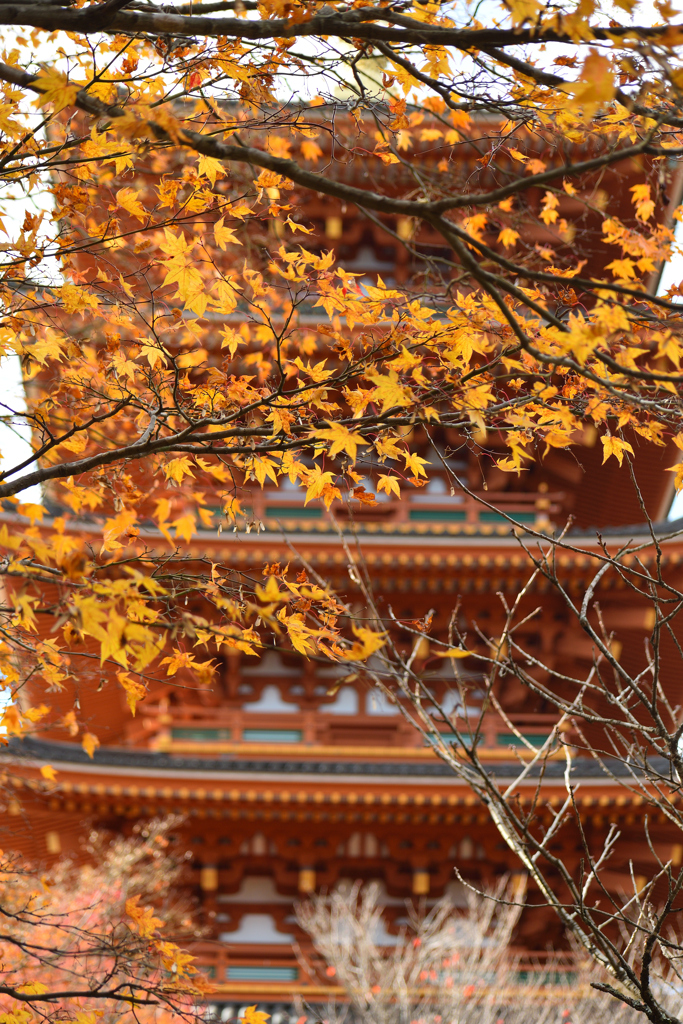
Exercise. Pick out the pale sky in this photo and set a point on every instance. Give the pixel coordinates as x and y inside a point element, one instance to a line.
<point>673,272</point>
<point>14,444</point>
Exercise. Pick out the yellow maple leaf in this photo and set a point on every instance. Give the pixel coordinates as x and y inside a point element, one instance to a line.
<point>311,151</point>
<point>320,485</point>
<point>127,199</point>
<point>475,224</point>
<point>523,10</point>
<point>190,284</point>
<point>134,690</point>
<point>343,440</point>
<point>25,616</point>
<point>508,237</point>
<point>35,714</point>
<point>642,201</point>
<point>271,592</point>
<point>297,630</point>
<point>32,511</point>
<point>120,525</point>
<point>145,921</point>
<point>549,212</point>
<point>75,299</point>
<point>32,988</point>
<point>176,960</point>
<point>622,269</point>
<point>388,484</point>
<point>178,468</point>
<point>387,448</point>
<point>263,467</point>
<point>224,235</point>
<point>69,722</point>
<point>48,772</point>
<point>206,517</point>
<point>678,470</point>
<point>90,743</point>
<point>88,1017</point>
<point>389,391</point>
<point>210,168</point>
<point>253,1016</point>
<point>294,226</point>
<point>175,245</point>
<point>367,643</point>
<point>77,444</point>
<point>614,446</point>
<point>55,88</point>
<point>415,464</point>
<point>185,526</point>
<point>595,84</point>
<point>10,723</point>
<point>153,353</point>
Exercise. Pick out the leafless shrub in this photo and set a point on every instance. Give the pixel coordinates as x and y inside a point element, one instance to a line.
<point>617,719</point>
<point>449,965</point>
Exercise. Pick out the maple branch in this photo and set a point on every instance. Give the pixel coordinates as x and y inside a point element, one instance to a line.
<point>97,17</point>
<point>115,993</point>
<point>360,23</point>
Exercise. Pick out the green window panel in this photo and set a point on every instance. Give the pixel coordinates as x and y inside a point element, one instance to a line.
<point>295,512</point>
<point>495,517</point>
<point>447,737</point>
<point>262,973</point>
<point>200,735</point>
<point>509,739</point>
<point>547,977</point>
<point>435,515</point>
<point>272,735</point>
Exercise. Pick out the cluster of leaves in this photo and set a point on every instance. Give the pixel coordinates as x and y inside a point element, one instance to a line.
<point>186,333</point>
<point>83,944</point>
<point>180,346</point>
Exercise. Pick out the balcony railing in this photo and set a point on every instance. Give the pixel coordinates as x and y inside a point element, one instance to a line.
<point>272,970</point>
<point>312,733</point>
<point>536,510</point>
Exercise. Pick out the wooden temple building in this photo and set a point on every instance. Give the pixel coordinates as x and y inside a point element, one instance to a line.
<point>287,785</point>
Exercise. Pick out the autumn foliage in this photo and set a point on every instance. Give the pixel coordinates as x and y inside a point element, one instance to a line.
<point>186,333</point>
<point>85,944</point>
<point>175,289</point>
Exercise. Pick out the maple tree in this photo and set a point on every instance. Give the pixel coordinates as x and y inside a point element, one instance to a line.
<point>186,334</point>
<point>84,943</point>
<point>163,300</point>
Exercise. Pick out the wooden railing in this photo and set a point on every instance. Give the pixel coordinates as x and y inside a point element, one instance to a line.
<point>276,972</point>
<point>313,733</point>
<point>535,509</point>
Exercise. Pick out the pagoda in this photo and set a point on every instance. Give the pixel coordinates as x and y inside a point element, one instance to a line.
<point>285,780</point>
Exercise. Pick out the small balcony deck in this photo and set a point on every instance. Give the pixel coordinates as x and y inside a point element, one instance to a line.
<point>274,974</point>
<point>313,734</point>
<point>485,512</point>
